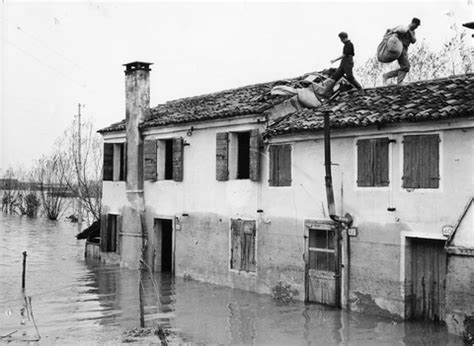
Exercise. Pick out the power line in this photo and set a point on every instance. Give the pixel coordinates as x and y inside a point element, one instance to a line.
<point>24,51</point>
<point>49,48</point>
<point>44,44</point>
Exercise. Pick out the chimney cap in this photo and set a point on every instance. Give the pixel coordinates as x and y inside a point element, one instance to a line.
<point>137,65</point>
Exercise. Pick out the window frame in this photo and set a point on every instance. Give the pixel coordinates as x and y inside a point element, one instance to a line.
<point>325,250</point>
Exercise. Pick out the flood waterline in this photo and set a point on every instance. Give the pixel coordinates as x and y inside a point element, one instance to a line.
<point>75,301</point>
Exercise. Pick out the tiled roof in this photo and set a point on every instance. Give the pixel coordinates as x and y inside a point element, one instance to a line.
<point>444,98</point>
<point>251,99</point>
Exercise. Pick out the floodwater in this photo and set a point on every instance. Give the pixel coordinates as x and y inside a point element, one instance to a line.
<point>79,302</point>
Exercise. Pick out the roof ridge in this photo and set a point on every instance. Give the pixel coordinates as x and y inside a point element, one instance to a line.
<point>188,98</point>
<point>420,81</point>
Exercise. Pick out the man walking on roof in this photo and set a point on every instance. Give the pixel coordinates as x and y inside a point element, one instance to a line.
<point>406,34</point>
<point>346,66</point>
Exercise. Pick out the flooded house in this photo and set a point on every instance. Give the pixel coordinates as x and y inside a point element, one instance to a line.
<point>230,188</point>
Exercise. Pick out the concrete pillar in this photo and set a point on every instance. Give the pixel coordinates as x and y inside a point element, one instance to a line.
<point>137,98</point>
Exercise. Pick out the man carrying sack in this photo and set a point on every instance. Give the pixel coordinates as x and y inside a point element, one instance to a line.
<point>345,68</point>
<point>406,34</point>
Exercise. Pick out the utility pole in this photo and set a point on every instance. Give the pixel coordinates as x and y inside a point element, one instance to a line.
<point>79,169</point>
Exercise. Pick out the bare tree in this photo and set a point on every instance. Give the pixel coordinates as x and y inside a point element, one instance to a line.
<point>51,179</point>
<point>18,196</point>
<point>83,180</point>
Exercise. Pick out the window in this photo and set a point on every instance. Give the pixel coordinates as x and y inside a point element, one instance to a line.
<point>243,155</point>
<point>238,155</point>
<point>163,159</point>
<point>109,228</point>
<point>280,165</point>
<point>115,162</point>
<point>421,161</point>
<point>322,250</point>
<point>243,234</point>
<point>372,162</point>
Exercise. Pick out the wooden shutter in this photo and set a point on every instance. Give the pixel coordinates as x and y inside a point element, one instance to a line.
<point>108,167</point>
<point>103,233</point>
<point>411,161</point>
<point>381,165</point>
<point>365,163</point>
<point>236,249</point>
<point>149,159</point>
<point>249,232</point>
<point>274,156</point>
<point>222,154</point>
<point>284,165</point>
<point>178,159</point>
<point>429,161</point>
<point>119,232</point>
<point>112,233</point>
<point>254,154</point>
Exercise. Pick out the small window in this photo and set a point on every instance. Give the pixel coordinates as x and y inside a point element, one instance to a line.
<point>109,230</point>
<point>163,159</point>
<point>238,155</point>
<point>372,162</point>
<point>243,233</point>
<point>421,161</point>
<point>322,250</point>
<point>243,155</point>
<point>115,162</point>
<point>280,165</point>
<point>168,159</point>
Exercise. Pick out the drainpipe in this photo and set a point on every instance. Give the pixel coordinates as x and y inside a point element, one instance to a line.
<point>347,219</point>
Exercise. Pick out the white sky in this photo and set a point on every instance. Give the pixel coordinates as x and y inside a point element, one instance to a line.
<point>57,54</point>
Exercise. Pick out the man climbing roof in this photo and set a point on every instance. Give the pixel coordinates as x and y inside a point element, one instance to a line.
<point>406,34</point>
<point>346,65</point>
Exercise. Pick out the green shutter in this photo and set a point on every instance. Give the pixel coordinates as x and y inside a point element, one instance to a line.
<point>108,167</point>
<point>178,159</point>
<point>222,154</point>
<point>149,158</point>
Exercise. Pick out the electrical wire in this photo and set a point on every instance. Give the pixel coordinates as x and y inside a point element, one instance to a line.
<point>24,51</point>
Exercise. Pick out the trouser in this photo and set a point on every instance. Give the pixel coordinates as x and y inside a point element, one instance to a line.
<point>401,72</point>
<point>345,69</point>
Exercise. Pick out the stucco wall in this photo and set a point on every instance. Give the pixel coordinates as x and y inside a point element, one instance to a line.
<point>377,254</point>
<point>460,294</point>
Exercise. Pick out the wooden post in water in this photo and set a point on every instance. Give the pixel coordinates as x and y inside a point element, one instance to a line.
<point>24,271</point>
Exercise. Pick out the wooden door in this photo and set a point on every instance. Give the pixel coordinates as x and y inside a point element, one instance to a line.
<point>322,264</point>
<point>428,273</point>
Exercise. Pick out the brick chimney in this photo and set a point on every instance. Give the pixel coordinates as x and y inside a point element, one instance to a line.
<point>137,103</point>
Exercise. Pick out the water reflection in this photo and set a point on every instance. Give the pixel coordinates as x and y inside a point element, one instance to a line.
<point>77,302</point>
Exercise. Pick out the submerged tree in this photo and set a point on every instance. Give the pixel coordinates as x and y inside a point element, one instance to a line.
<point>51,179</point>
